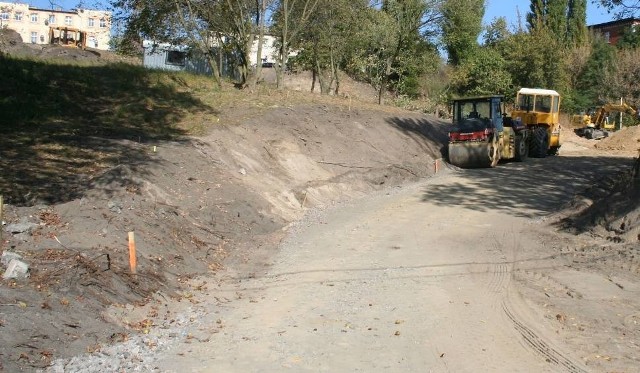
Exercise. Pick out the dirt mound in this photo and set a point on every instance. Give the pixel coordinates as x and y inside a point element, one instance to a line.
<point>609,209</point>
<point>627,139</point>
<point>11,43</point>
<point>9,38</point>
<point>195,205</point>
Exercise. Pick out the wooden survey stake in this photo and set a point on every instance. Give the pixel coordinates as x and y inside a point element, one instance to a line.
<point>132,252</point>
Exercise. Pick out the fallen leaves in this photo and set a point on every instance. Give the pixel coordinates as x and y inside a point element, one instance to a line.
<point>143,326</point>
<point>50,218</point>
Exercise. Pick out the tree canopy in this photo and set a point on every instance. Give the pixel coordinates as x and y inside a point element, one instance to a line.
<point>413,49</point>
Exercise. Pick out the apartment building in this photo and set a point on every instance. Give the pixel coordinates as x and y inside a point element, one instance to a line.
<point>47,26</point>
<point>613,31</point>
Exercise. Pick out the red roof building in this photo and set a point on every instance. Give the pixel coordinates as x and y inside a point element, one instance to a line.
<point>612,31</point>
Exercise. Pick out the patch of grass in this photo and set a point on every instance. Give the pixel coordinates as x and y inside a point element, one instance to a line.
<point>61,122</point>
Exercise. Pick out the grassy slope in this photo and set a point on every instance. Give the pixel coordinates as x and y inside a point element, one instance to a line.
<point>52,114</point>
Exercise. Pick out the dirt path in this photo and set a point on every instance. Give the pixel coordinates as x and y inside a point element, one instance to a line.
<point>418,279</point>
<point>465,271</point>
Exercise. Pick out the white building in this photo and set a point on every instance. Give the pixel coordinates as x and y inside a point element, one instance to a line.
<point>44,26</point>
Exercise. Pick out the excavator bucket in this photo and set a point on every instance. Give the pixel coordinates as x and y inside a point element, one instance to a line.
<point>472,154</point>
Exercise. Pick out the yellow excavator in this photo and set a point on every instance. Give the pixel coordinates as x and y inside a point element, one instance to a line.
<point>595,123</point>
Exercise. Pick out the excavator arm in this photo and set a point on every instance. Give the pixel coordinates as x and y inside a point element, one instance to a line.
<point>601,114</point>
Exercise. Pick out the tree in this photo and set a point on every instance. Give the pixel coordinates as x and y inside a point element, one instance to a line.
<point>392,48</point>
<point>535,59</point>
<point>174,21</point>
<point>630,38</point>
<point>325,42</point>
<point>482,73</point>
<point>461,25</point>
<point>537,14</point>
<point>291,17</point>
<point>211,27</point>
<point>565,19</point>
<point>622,79</point>
<point>577,22</point>
<point>496,32</point>
<point>485,70</point>
<point>591,83</point>
<point>233,24</point>
<point>261,13</point>
<point>576,59</point>
<point>556,18</point>
<point>622,8</point>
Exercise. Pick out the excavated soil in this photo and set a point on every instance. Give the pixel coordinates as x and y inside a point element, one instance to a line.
<point>223,199</point>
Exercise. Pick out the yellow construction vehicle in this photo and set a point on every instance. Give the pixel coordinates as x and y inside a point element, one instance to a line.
<point>595,123</point>
<point>482,134</point>
<point>538,110</point>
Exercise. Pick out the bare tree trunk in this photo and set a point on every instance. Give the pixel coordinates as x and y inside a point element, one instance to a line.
<point>200,41</point>
<point>245,65</point>
<point>283,56</point>
<point>288,34</point>
<point>383,81</point>
<point>324,87</point>
<point>261,14</point>
<point>332,69</point>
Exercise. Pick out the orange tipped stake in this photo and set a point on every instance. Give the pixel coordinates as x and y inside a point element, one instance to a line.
<point>132,252</point>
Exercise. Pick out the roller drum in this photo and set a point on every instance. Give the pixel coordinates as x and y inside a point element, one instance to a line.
<point>472,154</point>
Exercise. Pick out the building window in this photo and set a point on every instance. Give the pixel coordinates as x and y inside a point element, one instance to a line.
<point>52,19</point>
<point>34,37</point>
<point>34,17</point>
<point>176,58</point>
<point>4,16</point>
<point>18,16</point>
<point>607,37</point>
<point>91,22</point>
<point>68,21</point>
<point>103,23</point>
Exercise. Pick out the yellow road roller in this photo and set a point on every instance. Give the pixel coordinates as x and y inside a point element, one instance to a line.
<point>482,134</point>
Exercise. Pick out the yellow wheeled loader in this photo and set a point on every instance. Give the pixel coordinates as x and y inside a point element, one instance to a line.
<point>482,134</point>
<point>538,110</point>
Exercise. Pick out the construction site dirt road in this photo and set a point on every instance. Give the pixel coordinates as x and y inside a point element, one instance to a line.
<point>457,274</point>
<point>470,270</point>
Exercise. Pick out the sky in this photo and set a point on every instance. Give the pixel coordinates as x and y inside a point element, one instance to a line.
<point>495,8</point>
<point>509,10</point>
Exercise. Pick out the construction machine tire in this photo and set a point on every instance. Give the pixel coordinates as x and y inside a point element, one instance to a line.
<point>474,154</point>
<point>596,134</point>
<point>494,151</point>
<point>521,149</point>
<point>539,143</point>
<point>588,133</point>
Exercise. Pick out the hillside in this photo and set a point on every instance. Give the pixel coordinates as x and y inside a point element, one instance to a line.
<point>110,151</point>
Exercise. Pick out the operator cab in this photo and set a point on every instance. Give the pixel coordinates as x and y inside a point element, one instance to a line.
<point>479,111</point>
